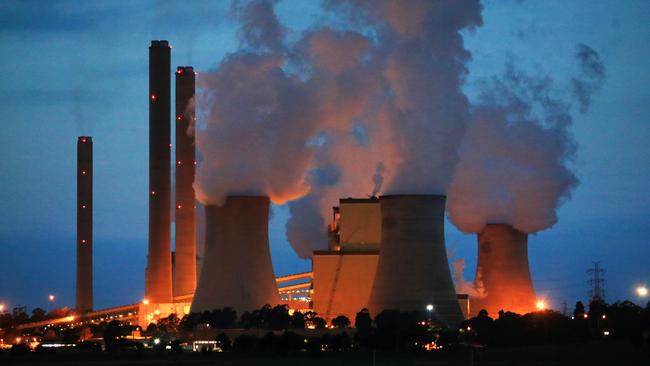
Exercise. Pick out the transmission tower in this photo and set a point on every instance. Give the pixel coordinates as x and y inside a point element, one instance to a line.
<point>596,283</point>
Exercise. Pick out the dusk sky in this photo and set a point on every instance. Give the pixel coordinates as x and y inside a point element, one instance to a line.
<point>74,68</point>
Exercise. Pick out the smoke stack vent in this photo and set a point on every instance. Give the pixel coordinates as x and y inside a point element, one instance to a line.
<point>413,271</point>
<point>502,272</point>
<point>84,292</point>
<point>185,258</point>
<point>159,262</point>
<point>237,270</point>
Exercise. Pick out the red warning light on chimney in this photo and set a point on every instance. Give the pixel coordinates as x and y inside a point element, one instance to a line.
<point>153,97</point>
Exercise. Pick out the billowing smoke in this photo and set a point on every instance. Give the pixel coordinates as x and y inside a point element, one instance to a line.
<point>377,97</point>
<point>474,289</point>
<point>255,120</point>
<point>591,77</point>
<point>515,158</point>
<point>378,178</point>
<point>394,109</point>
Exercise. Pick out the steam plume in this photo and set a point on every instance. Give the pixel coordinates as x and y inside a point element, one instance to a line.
<point>378,178</point>
<point>515,158</point>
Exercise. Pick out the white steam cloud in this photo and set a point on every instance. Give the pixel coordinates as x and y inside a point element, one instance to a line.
<point>373,103</point>
<point>515,158</point>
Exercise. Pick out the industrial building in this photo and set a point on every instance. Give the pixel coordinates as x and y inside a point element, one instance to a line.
<point>383,252</point>
<point>347,276</point>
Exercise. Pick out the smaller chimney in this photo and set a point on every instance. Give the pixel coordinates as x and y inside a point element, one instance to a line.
<point>84,224</point>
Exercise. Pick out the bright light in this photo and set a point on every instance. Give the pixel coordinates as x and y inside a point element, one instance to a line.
<point>642,291</point>
<point>604,316</point>
<point>153,97</point>
<point>541,305</point>
<point>606,333</point>
<point>429,307</point>
<point>51,297</point>
<point>156,341</point>
<point>2,307</point>
<point>585,316</point>
<point>145,301</point>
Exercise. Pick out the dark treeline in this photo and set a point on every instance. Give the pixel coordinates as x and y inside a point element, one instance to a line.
<point>19,315</point>
<point>621,321</point>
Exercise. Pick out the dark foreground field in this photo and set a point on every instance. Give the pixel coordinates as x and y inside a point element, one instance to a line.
<point>596,353</point>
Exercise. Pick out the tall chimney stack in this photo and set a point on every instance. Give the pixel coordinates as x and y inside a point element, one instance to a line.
<point>84,224</point>
<point>413,271</point>
<point>237,270</point>
<point>159,262</point>
<point>185,257</point>
<point>502,271</point>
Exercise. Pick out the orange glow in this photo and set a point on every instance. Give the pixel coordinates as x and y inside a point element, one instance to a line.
<point>145,301</point>
<point>541,305</point>
<point>2,307</point>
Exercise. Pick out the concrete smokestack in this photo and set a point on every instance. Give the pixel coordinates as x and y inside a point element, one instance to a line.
<point>237,269</point>
<point>84,224</point>
<point>413,271</point>
<point>502,271</point>
<point>159,262</point>
<point>185,258</point>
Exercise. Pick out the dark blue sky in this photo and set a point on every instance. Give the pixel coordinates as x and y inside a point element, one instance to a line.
<point>73,68</point>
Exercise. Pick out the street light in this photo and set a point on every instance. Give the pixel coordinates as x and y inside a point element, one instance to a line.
<point>430,309</point>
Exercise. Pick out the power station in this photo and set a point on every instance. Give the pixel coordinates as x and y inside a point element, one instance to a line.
<point>384,252</point>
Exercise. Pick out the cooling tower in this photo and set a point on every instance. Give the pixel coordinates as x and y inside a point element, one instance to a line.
<point>502,273</point>
<point>84,224</point>
<point>185,240</point>
<point>159,262</point>
<point>237,269</point>
<point>413,271</point>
